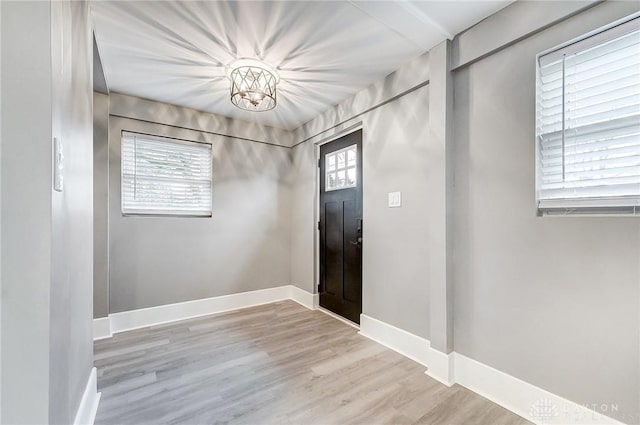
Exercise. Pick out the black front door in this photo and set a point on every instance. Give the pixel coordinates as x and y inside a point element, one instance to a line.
<point>341,226</point>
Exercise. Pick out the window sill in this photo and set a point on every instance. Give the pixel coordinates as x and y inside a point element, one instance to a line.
<point>166,215</point>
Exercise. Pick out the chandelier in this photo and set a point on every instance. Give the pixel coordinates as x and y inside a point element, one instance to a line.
<point>253,85</point>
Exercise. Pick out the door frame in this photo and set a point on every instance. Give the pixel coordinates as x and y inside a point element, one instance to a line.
<point>316,234</point>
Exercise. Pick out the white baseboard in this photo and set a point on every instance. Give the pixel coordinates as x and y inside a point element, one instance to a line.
<point>409,345</point>
<point>441,366</point>
<point>303,297</point>
<point>105,327</point>
<point>86,414</point>
<point>532,403</point>
<point>101,328</point>
<point>522,398</point>
<point>134,319</point>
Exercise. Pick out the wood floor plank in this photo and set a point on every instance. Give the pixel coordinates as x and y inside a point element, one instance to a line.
<point>272,364</point>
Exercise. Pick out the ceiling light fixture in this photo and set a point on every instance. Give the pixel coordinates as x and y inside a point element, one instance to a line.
<point>253,85</point>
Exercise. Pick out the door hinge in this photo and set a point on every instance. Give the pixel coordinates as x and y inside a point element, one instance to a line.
<point>318,225</point>
<point>318,163</point>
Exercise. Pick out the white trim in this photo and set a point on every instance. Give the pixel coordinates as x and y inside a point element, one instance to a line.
<point>439,365</point>
<point>302,297</point>
<point>410,345</point>
<point>134,319</point>
<point>516,395</point>
<point>86,414</point>
<point>521,397</point>
<point>101,328</point>
<point>105,327</point>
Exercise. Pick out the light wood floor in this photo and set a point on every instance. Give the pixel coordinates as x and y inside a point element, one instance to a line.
<point>274,364</point>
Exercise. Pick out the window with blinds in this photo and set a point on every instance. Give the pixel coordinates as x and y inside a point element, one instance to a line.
<point>162,176</point>
<point>588,123</point>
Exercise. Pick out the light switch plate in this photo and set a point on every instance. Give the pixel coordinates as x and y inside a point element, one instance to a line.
<point>58,165</point>
<point>395,199</point>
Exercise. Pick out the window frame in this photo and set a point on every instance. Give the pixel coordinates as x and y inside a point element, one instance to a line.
<point>160,212</point>
<point>605,205</point>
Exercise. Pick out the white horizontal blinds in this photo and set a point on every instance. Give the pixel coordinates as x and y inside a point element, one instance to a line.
<point>588,121</point>
<point>165,176</point>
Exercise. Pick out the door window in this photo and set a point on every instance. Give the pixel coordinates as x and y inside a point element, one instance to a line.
<point>340,169</point>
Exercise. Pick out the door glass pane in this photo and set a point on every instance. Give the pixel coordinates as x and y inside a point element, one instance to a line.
<point>331,181</point>
<point>351,176</point>
<point>351,157</point>
<point>331,163</point>
<point>341,178</point>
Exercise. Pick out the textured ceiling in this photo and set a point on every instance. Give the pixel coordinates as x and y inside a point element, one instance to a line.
<point>325,51</point>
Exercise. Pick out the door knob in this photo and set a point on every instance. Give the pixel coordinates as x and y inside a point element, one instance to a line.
<point>357,242</point>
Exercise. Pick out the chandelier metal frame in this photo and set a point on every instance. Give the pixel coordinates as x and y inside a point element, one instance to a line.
<point>253,85</point>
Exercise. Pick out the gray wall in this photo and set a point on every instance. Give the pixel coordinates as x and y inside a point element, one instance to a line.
<point>99,81</point>
<point>303,216</point>
<point>395,158</point>
<point>71,356</point>
<point>26,220</point>
<point>243,247</point>
<point>46,237</point>
<point>0,213</point>
<point>100,204</point>
<point>553,301</point>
